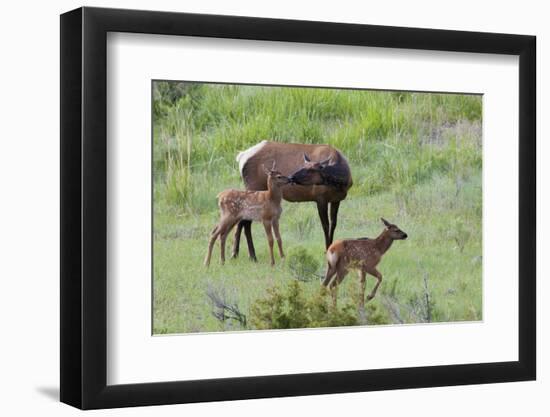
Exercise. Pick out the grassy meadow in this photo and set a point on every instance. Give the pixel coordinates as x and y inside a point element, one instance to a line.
<point>416,159</point>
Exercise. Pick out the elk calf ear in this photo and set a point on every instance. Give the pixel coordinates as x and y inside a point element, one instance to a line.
<point>306,158</point>
<point>386,223</point>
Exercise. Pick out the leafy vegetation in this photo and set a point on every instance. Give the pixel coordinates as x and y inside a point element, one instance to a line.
<point>416,159</point>
<point>289,308</point>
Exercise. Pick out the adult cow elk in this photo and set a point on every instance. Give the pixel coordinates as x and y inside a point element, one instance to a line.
<point>319,173</point>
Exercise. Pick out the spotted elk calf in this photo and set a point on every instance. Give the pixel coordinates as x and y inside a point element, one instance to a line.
<point>261,206</point>
<point>363,254</point>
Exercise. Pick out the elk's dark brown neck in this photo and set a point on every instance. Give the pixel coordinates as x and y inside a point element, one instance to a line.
<point>384,241</point>
<point>336,176</point>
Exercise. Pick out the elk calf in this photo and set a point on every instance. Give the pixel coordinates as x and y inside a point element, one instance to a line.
<point>362,254</point>
<point>263,206</point>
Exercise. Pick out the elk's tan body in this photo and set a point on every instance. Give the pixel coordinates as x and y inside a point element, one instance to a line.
<point>362,254</point>
<point>262,206</point>
<point>251,205</point>
<point>290,158</point>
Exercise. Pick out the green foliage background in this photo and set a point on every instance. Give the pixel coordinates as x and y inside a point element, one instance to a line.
<point>416,160</point>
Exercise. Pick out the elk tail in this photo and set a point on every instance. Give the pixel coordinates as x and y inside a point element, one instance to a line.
<point>332,257</point>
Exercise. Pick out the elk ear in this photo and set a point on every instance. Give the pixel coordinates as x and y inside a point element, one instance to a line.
<point>306,158</point>
<point>325,162</point>
<point>386,223</point>
<point>267,172</point>
<point>273,166</point>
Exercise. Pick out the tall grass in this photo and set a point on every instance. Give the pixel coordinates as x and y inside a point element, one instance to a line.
<point>392,139</point>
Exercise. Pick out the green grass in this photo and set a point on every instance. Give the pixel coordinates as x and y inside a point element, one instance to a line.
<point>415,158</point>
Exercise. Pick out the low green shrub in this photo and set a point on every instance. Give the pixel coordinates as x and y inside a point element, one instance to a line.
<point>290,308</point>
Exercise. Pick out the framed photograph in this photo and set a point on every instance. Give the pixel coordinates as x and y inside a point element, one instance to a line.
<point>256,208</point>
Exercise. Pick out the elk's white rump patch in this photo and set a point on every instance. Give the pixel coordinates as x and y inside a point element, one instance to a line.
<point>244,156</point>
<point>332,257</point>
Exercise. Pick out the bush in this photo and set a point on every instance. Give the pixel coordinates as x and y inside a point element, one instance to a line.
<point>302,264</point>
<point>374,315</point>
<point>323,314</point>
<point>289,308</point>
<point>225,310</point>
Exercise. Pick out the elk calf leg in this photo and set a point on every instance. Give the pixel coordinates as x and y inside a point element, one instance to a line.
<point>363,282</point>
<point>237,239</point>
<point>225,229</point>
<point>213,237</point>
<point>223,238</point>
<point>328,276</point>
<point>267,226</point>
<point>378,277</point>
<point>279,240</point>
<point>334,292</point>
<point>335,282</point>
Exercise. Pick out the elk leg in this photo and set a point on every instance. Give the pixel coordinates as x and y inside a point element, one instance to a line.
<point>333,219</point>
<point>247,224</point>
<point>363,282</point>
<point>267,226</point>
<point>374,272</point>
<point>237,239</point>
<point>278,237</point>
<point>334,292</point>
<point>330,283</point>
<point>223,237</point>
<point>335,283</point>
<point>213,237</point>
<point>328,276</point>
<point>322,208</point>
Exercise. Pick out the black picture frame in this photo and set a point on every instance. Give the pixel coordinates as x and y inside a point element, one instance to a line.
<point>84,207</point>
